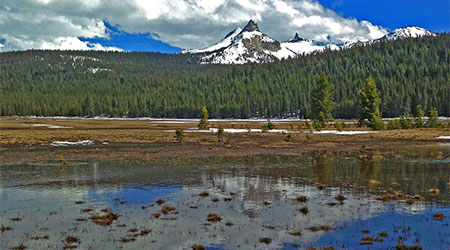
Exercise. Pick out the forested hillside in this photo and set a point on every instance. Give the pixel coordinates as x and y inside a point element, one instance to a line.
<point>73,83</point>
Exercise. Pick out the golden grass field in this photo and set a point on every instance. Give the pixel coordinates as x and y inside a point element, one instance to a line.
<point>157,138</point>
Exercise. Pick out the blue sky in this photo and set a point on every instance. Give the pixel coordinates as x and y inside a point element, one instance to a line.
<point>433,15</point>
<point>169,25</point>
<point>132,41</point>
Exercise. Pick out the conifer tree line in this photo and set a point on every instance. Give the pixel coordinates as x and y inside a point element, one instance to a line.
<point>407,73</point>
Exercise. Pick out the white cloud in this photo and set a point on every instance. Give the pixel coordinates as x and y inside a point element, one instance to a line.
<point>26,24</point>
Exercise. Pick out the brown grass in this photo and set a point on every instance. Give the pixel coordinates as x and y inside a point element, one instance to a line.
<point>167,209</point>
<point>439,216</point>
<point>213,217</point>
<point>20,132</point>
<point>104,220</point>
<point>302,198</point>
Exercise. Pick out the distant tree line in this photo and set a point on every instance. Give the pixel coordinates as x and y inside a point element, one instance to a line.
<point>407,73</point>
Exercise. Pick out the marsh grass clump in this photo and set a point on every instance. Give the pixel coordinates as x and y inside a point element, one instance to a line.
<point>127,239</point>
<point>340,198</point>
<point>323,248</point>
<point>265,240</point>
<point>270,227</point>
<point>7,228</point>
<point>365,231</point>
<point>212,217</point>
<point>401,246</point>
<point>320,228</point>
<point>72,240</point>
<point>156,215</point>
<point>304,210</point>
<point>204,194</point>
<point>160,201</point>
<point>166,209</point>
<point>296,233</point>
<point>320,186</point>
<point>229,224</point>
<point>302,198</point>
<point>383,234</point>
<point>20,247</point>
<point>409,201</point>
<point>325,228</point>
<point>86,210</point>
<point>439,216</point>
<point>104,220</point>
<point>45,237</point>
<point>215,199</point>
<point>433,191</point>
<point>197,247</point>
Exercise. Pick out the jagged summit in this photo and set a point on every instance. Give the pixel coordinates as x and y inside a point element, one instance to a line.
<point>251,26</point>
<point>296,39</point>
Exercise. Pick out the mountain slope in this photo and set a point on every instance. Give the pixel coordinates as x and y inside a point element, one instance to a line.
<point>250,45</point>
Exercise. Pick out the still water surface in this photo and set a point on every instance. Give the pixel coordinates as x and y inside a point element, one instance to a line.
<point>256,198</point>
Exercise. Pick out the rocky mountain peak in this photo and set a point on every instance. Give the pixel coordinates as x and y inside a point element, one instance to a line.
<point>251,26</point>
<point>296,39</point>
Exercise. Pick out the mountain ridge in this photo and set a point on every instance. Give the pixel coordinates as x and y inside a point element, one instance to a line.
<point>250,45</point>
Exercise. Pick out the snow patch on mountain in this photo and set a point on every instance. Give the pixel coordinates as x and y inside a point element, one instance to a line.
<point>408,32</point>
<point>250,45</point>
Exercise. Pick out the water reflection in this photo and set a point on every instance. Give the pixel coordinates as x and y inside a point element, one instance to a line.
<point>254,196</point>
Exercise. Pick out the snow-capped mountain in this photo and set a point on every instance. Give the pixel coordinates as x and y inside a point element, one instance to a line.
<point>408,32</point>
<point>250,45</point>
<point>241,46</point>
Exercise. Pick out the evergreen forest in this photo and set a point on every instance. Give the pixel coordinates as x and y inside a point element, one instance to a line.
<point>407,73</point>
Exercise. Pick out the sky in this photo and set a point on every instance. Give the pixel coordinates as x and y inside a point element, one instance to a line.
<point>169,26</point>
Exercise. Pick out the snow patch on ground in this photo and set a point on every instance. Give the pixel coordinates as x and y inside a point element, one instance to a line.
<point>282,131</point>
<point>443,137</point>
<point>68,143</point>
<point>342,132</point>
<point>49,126</point>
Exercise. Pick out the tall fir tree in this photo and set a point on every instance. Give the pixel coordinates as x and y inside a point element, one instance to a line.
<point>203,124</point>
<point>322,102</point>
<point>369,106</point>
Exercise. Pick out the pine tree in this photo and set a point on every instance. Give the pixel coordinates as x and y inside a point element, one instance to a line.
<point>203,124</point>
<point>179,134</point>
<point>322,103</point>
<point>369,106</point>
<point>418,122</point>
<point>432,118</point>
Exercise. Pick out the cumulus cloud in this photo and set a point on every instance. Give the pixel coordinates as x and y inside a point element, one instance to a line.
<point>57,24</point>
